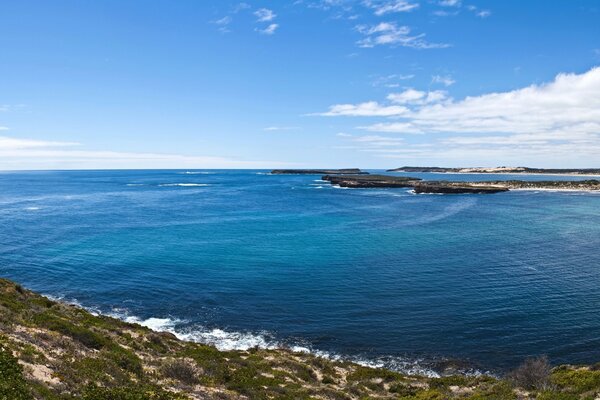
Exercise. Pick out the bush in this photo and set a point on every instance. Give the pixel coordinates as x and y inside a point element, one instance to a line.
<point>12,383</point>
<point>534,374</point>
<point>93,392</point>
<point>182,371</point>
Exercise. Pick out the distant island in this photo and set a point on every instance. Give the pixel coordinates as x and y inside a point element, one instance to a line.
<point>502,170</point>
<point>449,187</point>
<point>347,171</point>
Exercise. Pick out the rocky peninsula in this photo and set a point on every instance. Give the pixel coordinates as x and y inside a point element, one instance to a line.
<point>449,187</point>
<point>367,181</point>
<point>55,351</point>
<point>347,171</point>
<point>501,170</point>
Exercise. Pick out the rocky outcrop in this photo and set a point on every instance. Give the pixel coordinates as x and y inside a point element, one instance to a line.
<point>456,188</point>
<point>347,171</point>
<point>371,181</point>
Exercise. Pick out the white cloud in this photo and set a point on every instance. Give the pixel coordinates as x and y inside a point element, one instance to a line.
<point>8,143</point>
<point>269,30</point>
<point>3,128</point>
<point>450,3</point>
<point>412,96</point>
<point>343,134</point>
<point>264,15</point>
<point>240,7</point>
<point>37,154</point>
<point>557,122</point>
<point>571,103</point>
<point>445,80</point>
<point>390,6</point>
<point>367,109</point>
<point>388,33</point>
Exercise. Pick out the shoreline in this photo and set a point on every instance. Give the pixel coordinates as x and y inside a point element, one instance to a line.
<point>52,349</point>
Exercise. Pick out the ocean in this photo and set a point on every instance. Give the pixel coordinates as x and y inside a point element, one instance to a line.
<point>242,258</point>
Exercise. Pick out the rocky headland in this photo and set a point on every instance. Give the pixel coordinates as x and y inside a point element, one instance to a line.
<point>501,170</point>
<point>347,171</point>
<point>449,187</point>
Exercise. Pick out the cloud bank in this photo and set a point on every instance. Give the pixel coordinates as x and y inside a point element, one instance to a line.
<point>556,119</point>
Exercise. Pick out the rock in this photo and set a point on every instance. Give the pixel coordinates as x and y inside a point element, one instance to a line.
<point>347,171</point>
<point>371,181</point>
<point>456,188</point>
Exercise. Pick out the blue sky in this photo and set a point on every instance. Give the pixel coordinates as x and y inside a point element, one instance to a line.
<point>312,83</point>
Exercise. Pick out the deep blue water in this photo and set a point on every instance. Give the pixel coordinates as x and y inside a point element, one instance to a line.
<point>371,274</point>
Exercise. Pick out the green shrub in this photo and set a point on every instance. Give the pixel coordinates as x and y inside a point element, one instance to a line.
<point>576,380</point>
<point>93,392</point>
<point>83,335</point>
<point>12,383</point>
<point>549,395</point>
<point>180,370</point>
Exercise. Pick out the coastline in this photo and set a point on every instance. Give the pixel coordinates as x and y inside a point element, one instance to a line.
<point>54,350</point>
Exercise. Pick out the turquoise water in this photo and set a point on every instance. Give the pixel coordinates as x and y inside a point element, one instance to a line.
<point>244,258</point>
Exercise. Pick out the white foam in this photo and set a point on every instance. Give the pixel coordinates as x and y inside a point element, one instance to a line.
<point>32,208</point>
<point>196,173</point>
<point>230,340</point>
<point>135,184</point>
<point>184,184</point>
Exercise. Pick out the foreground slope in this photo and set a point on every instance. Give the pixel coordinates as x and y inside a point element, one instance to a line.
<point>50,350</point>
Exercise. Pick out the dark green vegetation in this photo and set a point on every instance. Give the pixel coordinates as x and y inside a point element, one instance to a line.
<point>54,351</point>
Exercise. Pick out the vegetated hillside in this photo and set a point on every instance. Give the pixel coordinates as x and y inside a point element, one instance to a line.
<point>50,350</point>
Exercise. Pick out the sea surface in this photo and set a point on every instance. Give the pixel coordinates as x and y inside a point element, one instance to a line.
<point>242,258</point>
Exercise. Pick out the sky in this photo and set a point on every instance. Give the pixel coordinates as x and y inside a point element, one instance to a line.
<point>297,84</point>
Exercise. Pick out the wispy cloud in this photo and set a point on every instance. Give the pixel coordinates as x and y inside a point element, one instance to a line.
<point>17,153</point>
<point>390,6</point>
<point>391,81</point>
<point>388,33</point>
<point>417,97</point>
<point>445,80</point>
<point>223,23</point>
<point>367,109</point>
<point>450,3</point>
<point>478,12</point>
<point>281,128</point>
<point>9,143</point>
<point>240,7</point>
<point>264,15</point>
<point>269,30</point>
